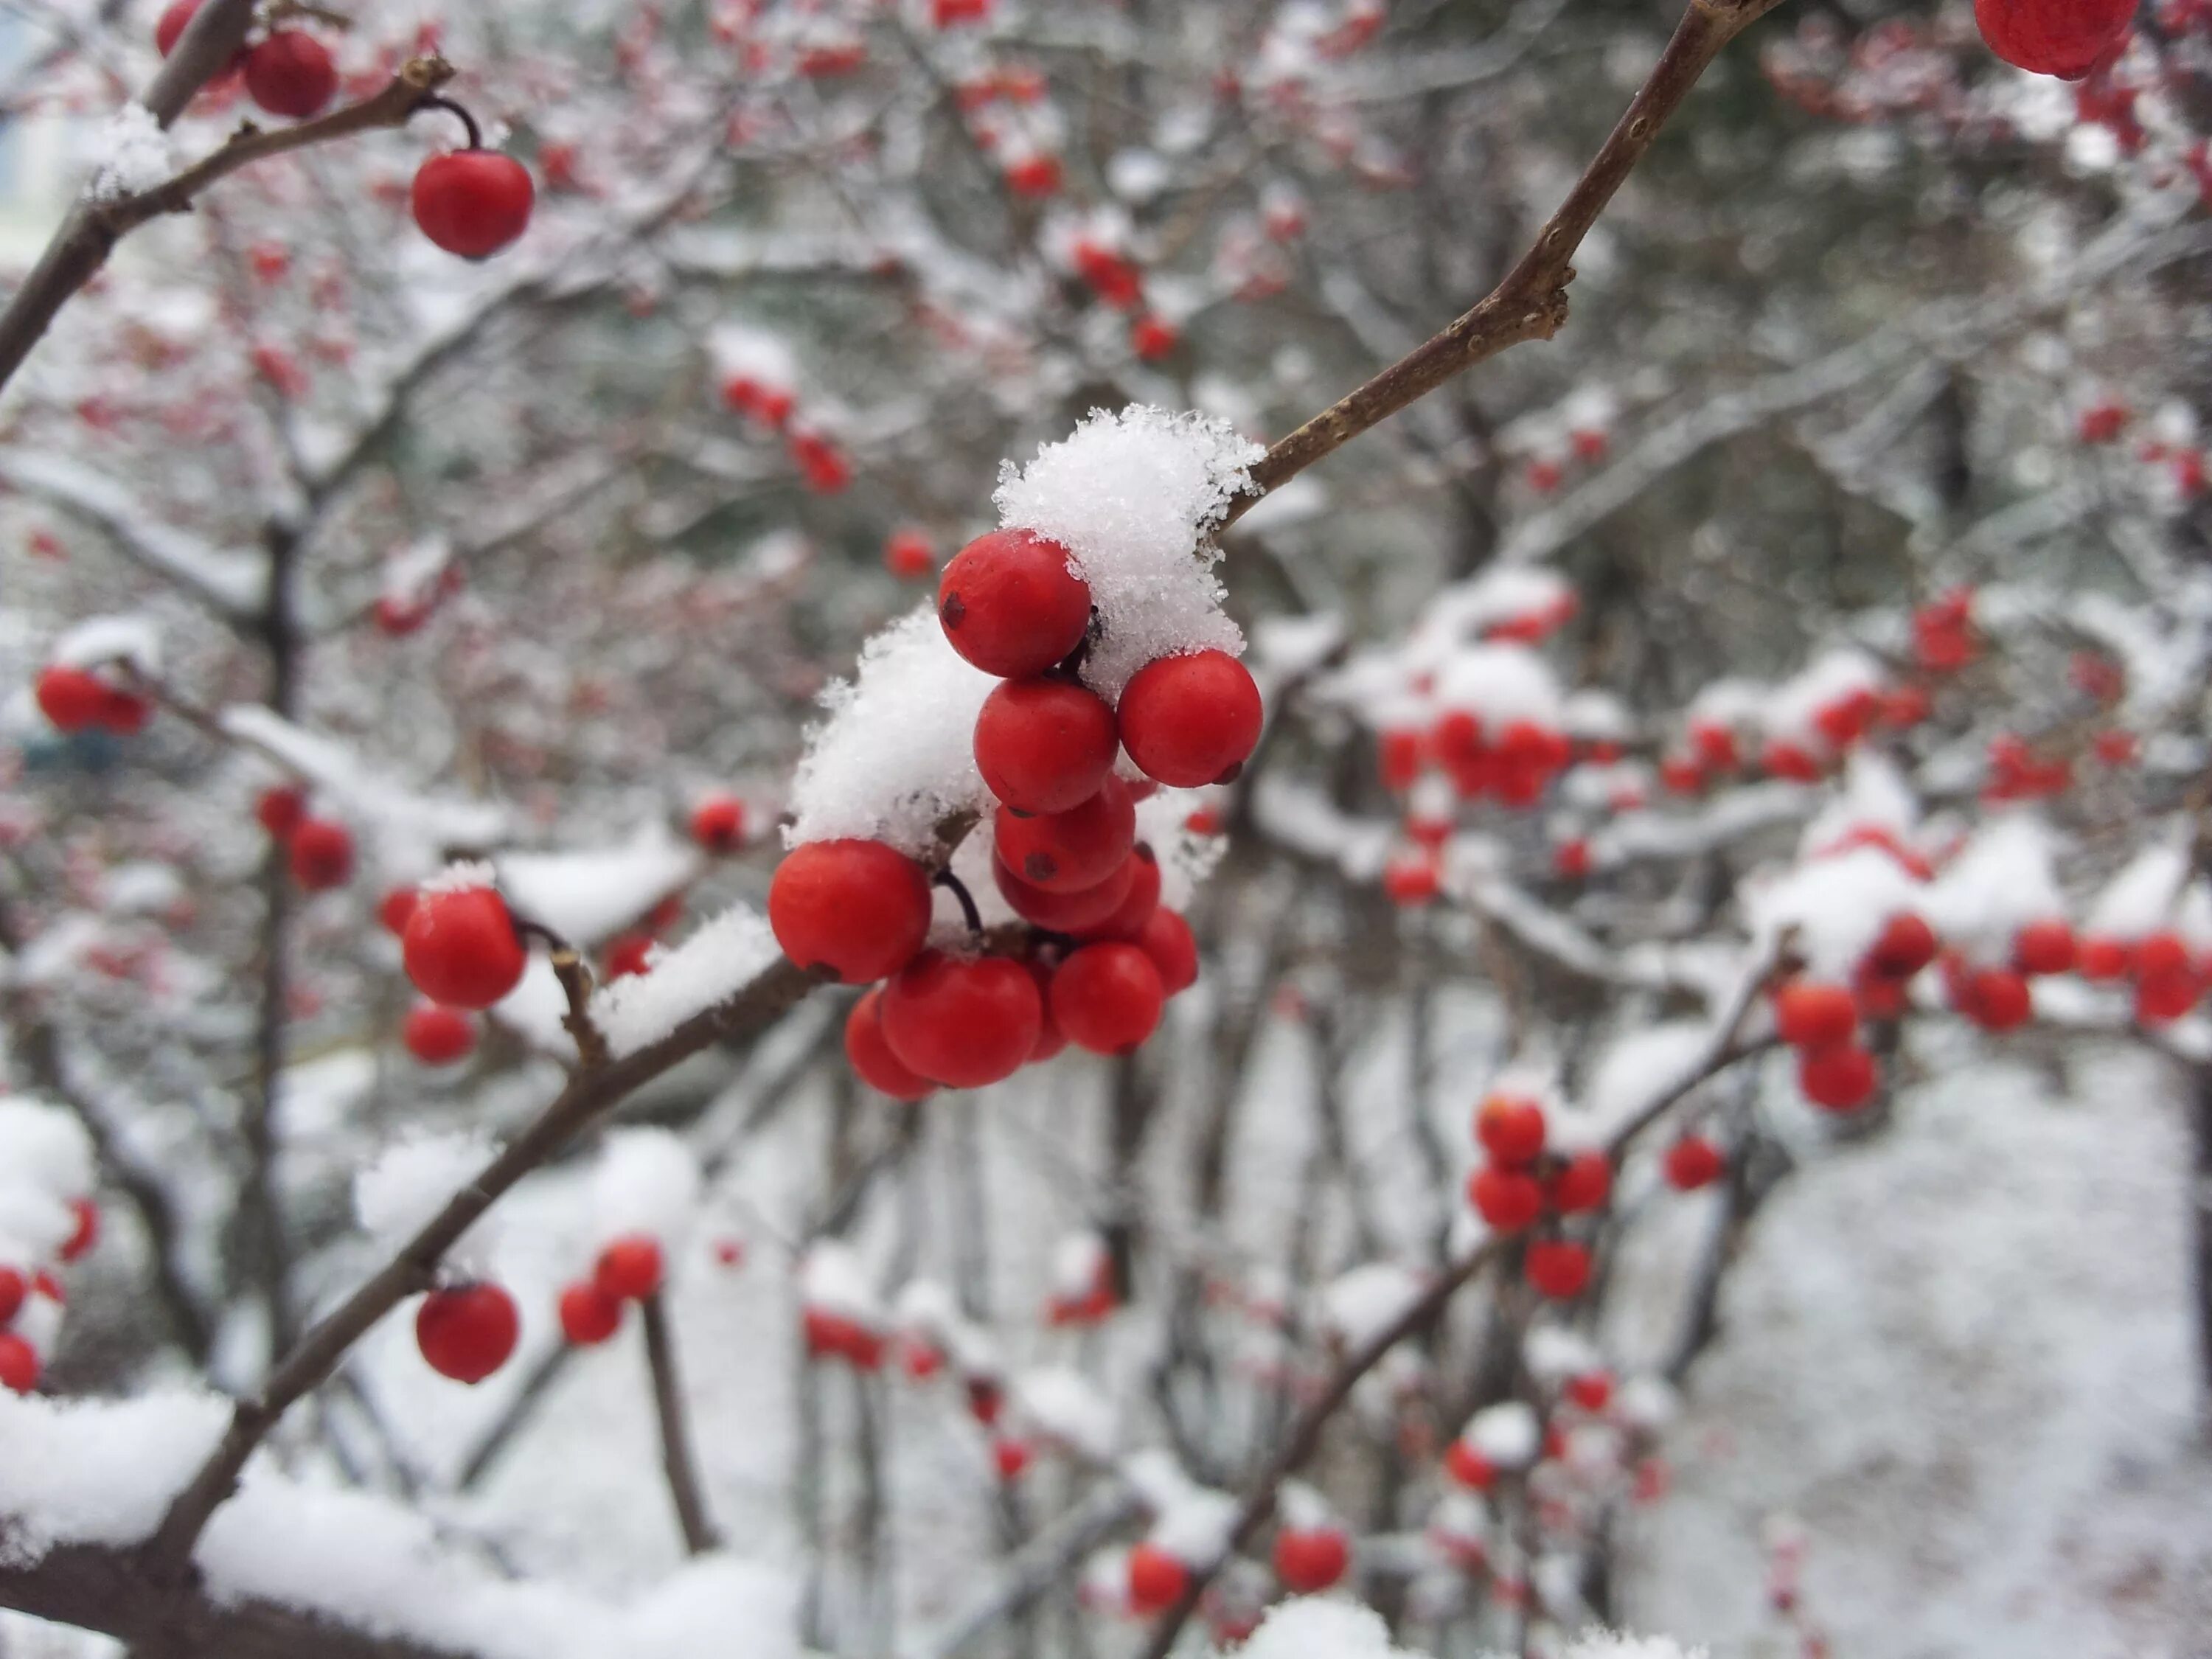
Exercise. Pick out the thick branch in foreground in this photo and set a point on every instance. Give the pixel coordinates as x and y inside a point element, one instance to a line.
<point>96,224</point>
<point>1531,302</point>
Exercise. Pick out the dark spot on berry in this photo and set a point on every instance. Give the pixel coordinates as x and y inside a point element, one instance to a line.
<point>1040,867</point>
<point>1016,811</point>
<point>952,612</point>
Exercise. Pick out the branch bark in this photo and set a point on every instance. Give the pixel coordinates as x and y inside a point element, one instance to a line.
<point>677,1458</point>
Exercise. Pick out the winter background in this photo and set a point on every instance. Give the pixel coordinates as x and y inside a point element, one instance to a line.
<point>1846,553</point>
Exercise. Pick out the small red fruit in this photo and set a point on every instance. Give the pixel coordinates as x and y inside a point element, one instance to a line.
<point>1309,1561</point>
<point>588,1314</point>
<point>291,74</point>
<point>856,908</point>
<point>461,947</point>
<point>1107,998</point>
<point>1510,1128</point>
<point>473,201</point>
<point>1191,719</point>
<point>2102,960</point>
<point>963,1021</point>
<point>1157,1580</point>
<point>1065,913</point>
<point>1558,1267</point>
<point>1507,1200</point>
<point>718,823</point>
<point>1906,946</point>
<point>2044,947</point>
<point>321,854</point>
<point>1590,1391</point>
<point>280,810</point>
<point>436,1036</point>
<point>71,699</point>
<point>86,1232</point>
<point>1128,922</point>
<point>1410,882</point>
<point>2162,956</point>
<point>19,1363</point>
<point>1010,1457</point>
<point>1469,1466</point>
<point>467,1332</point>
<point>629,1269</point>
<point>2064,38</point>
<point>1069,851</point>
<point>13,1287</point>
<point>909,556</point>
<point>395,909</point>
<point>1791,761</point>
<point>1583,1182</point>
<point>870,1057</point>
<point>2163,997</point>
<point>1045,745</point>
<point>1012,604</point>
<point>1811,1013</point>
<point>1840,1078</point>
<point>1153,337</point>
<point>1995,998</point>
<point>1693,1162</point>
<point>1168,940</point>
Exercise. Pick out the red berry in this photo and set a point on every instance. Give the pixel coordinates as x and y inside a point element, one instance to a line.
<point>1065,913</point>
<point>2044,947</point>
<point>1906,946</point>
<point>86,1234</point>
<point>1507,1200</point>
<point>1995,998</point>
<point>1050,1038</point>
<point>718,823</point>
<point>856,908</point>
<point>1693,1162</point>
<point>395,909</point>
<point>870,1057</point>
<point>1168,940</point>
<point>13,1287</point>
<point>1045,745</point>
<point>1309,1562</point>
<point>1010,1457</point>
<point>19,1363</point>
<point>1583,1182</point>
<point>2160,955</point>
<point>625,955</point>
<point>280,810</point>
<point>1399,756</point>
<point>1791,761</point>
<point>473,201</point>
<point>2103,960</point>
<point>962,1021</point>
<point>1469,1466</point>
<point>461,947</point>
<point>321,854</point>
<point>1157,1580</point>
<point>1558,1267</point>
<point>1153,337</point>
<point>467,1332</point>
<point>1510,1128</point>
<point>1034,175</point>
<point>1840,1078</point>
<point>1590,1391</point>
<point>629,1269</point>
<point>588,1314</point>
<point>1068,852</point>
<point>2065,38</point>
<point>1410,882</point>
<point>909,556</point>
<point>1128,920</point>
<point>2163,997</point>
<point>171,27</point>
<point>71,699</point>
<point>1012,604</point>
<point>291,74</point>
<point>436,1036</point>
<point>1810,1013</point>
<point>1107,998</point>
<point>1192,720</point>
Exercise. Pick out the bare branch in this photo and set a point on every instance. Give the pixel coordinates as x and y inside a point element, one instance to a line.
<point>677,1458</point>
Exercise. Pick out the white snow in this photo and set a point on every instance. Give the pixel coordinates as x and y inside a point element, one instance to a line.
<point>2001,880</point>
<point>134,640</point>
<point>1130,495</point>
<point>1322,1627</point>
<point>587,894</point>
<point>412,1180</point>
<point>1508,1434</point>
<point>1839,907</point>
<point>97,1471</point>
<point>1359,1306</point>
<point>719,960</point>
<point>1067,1407</point>
<point>647,1181</point>
<point>134,155</point>
<point>832,1279</point>
<point>2142,897</point>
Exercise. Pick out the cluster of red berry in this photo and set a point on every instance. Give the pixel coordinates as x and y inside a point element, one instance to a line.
<point>31,1302</point>
<point>627,1270</point>
<point>1066,859</point>
<point>288,72</point>
<point>1521,1182</point>
<point>320,851</point>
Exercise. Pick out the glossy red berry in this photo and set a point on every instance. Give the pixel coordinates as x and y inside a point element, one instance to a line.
<point>1507,1200</point>
<point>1012,604</point>
<point>1904,946</point>
<point>1128,922</point>
<point>19,1363</point>
<point>279,810</point>
<point>909,556</point>
<point>1192,720</point>
<point>1107,998</point>
<point>2102,960</point>
<point>1693,1162</point>
<point>1157,1580</point>
<point>1469,1466</point>
<point>1840,1078</point>
<point>461,947</point>
<point>291,74</point>
<point>467,1332</point>
<point>629,1269</point>
<point>86,1233</point>
<point>1045,745</point>
<point>1995,998</point>
<point>1065,913</point>
<point>1409,882</point>
<point>1558,1267</point>
<point>437,1036</point>
<point>1583,1182</point>
<point>70,699</point>
<point>472,202</point>
<point>1590,1391</point>
<point>588,1314</point>
<point>1168,940</point>
<point>2044,947</point>
<point>870,1057</point>
<point>395,911</point>
<point>718,823</point>
<point>857,909</point>
<point>1310,1560</point>
<point>1811,1013</point>
<point>1068,852</point>
<point>2159,955</point>
<point>321,854</point>
<point>962,1021</point>
<point>2064,38</point>
<point>2167,996</point>
<point>1153,337</point>
<point>1510,1128</point>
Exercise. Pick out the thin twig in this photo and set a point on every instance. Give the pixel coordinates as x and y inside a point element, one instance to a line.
<point>678,1461</point>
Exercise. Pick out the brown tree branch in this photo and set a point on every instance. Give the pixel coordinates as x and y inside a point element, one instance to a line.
<point>1531,302</point>
<point>677,1458</point>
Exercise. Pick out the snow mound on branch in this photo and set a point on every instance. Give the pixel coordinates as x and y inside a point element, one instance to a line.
<point>896,753</point>
<point>647,1181</point>
<point>2142,897</point>
<point>1838,907</point>
<point>134,155</point>
<point>413,1179</point>
<point>712,966</point>
<point>832,1281</point>
<point>1131,496</point>
<point>1359,1306</point>
<point>134,642</point>
<point>97,1471</point>
<point>585,894</point>
<point>2002,881</point>
<point>1322,1627</point>
<point>1619,1644</point>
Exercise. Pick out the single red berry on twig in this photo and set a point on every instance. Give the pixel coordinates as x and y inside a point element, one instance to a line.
<point>629,1269</point>
<point>1157,1580</point>
<point>1811,1013</point>
<point>1558,1267</point>
<point>1693,1162</point>
<point>461,947</point>
<point>321,853</point>
<point>467,1332</point>
<point>291,74</point>
<point>588,1314</point>
<point>280,810</point>
<point>19,1363</point>
<point>1310,1560</point>
<point>1510,1128</point>
<point>437,1036</point>
<point>1839,1077</point>
<point>472,202</point>
<point>1507,1200</point>
<point>718,823</point>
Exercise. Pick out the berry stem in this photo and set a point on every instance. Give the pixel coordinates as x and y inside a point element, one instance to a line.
<point>958,889</point>
<point>434,100</point>
<point>575,977</point>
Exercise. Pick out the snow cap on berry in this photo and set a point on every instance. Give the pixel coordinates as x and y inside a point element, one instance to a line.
<point>2002,880</point>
